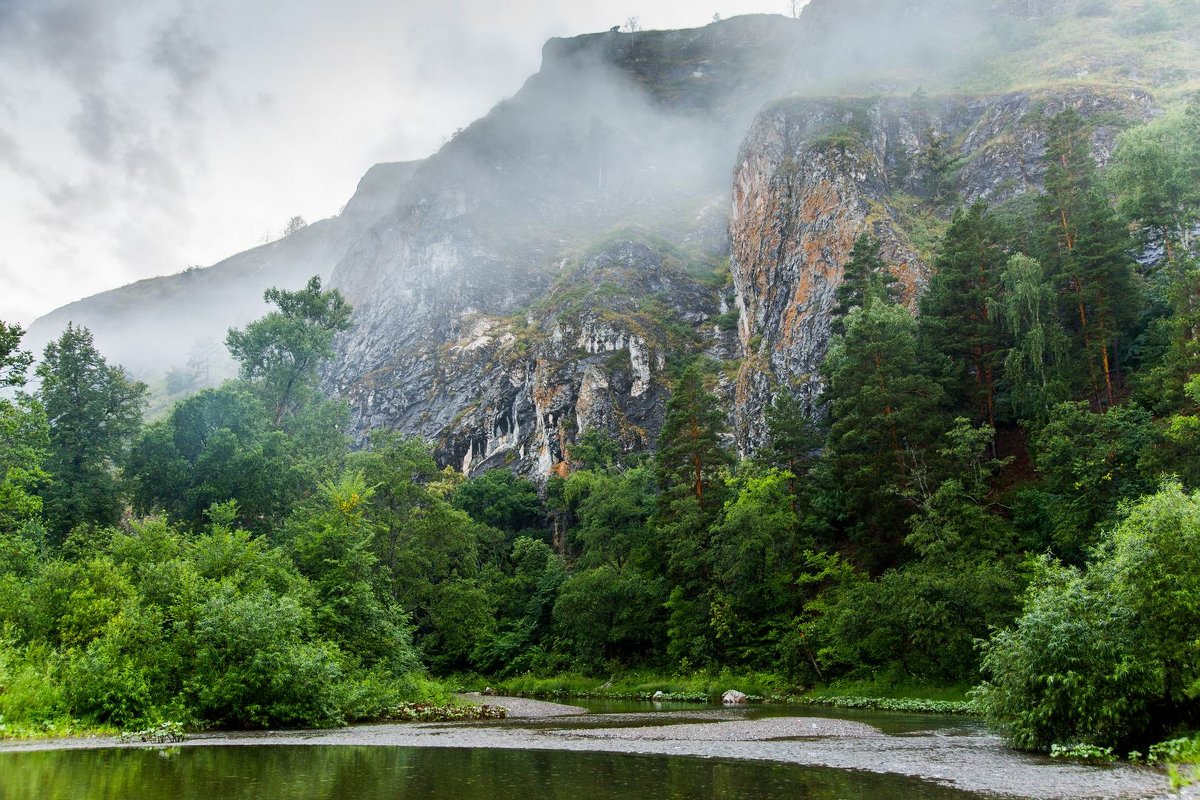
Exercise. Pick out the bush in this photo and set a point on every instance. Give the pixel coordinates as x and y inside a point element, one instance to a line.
<point>255,668</point>
<point>1106,656</point>
<point>29,692</point>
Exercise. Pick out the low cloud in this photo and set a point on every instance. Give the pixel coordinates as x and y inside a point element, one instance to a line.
<point>205,127</point>
<point>186,55</point>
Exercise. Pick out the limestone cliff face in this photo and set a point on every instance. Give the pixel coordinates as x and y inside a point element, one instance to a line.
<point>814,175</point>
<point>646,197</point>
<point>517,390</point>
<point>604,181</point>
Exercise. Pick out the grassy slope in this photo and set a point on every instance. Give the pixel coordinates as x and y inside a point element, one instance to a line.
<point>1152,45</point>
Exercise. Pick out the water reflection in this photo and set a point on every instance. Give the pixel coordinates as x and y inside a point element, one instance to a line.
<point>381,773</point>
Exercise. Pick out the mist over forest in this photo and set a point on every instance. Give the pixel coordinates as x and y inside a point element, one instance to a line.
<point>847,359</point>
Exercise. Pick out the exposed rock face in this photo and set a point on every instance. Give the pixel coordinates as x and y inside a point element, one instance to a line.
<point>621,137</point>
<point>540,275</point>
<point>814,175</point>
<point>516,391</point>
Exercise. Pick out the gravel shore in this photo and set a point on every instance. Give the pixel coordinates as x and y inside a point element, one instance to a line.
<point>523,707</point>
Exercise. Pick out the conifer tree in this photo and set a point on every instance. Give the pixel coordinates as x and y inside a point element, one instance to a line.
<point>689,466</point>
<point>865,275</point>
<point>793,437</point>
<point>884,419</point>
<point>690,452</point>
<point>1087,252</point>
<point>958,316</point>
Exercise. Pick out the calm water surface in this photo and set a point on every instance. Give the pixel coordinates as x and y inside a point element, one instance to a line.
<point>385,773</point>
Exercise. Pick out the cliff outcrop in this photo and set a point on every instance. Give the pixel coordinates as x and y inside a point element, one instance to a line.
<point>814,175</point>
<point>645,198</point>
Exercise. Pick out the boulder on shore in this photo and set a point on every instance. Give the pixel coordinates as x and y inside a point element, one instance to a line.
<point>734,698</point>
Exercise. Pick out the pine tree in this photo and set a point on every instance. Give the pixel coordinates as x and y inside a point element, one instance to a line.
<point>689,466</point>
<point>884,420</point>
<point>690,453</point>
<point>958,317</point>
<point>1087,252</point>
<point>864,276</point>
<point>792,435</point>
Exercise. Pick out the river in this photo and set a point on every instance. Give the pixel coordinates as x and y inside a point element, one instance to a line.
<point>615,751</point>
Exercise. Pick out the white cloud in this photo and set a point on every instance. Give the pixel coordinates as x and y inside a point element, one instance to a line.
<point>138,137</point>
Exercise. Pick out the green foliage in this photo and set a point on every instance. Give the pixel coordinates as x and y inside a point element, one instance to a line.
<point>1034,368</point>
<point>502,500</point>
<point>902,705</point>
<point>1183,749</point>
<point>601,614</point>
<point>755,546</point>
<point>728,322</point>
<point>219,445</point>
<point>280,353</point>
<point>939,169</point>
<point>13,361</point>
<point>217,627</point>
<point>613,517</point>
<point>1086,253</point>
<point>958,318</point>
<point>793,437</point>
<point>24,450</point>
<point>1083,753</point>
<point>1155,173</point>
<point>1097,656</point>
<point>865,276</point>
<point>331,542</point>
<point>884,416</point>
<point>1089,463</point>
<point>923,619</point>
<point>690,453</point>
<point>94,410</point>
<point>688,467</point>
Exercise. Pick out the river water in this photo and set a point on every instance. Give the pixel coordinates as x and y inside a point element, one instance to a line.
<point>616,752</point>
<point>387,773</point>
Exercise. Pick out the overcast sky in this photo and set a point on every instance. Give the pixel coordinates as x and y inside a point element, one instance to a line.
<point>138,137</point>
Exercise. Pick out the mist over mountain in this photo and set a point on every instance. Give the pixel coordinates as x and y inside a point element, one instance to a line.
<point>648,196</point>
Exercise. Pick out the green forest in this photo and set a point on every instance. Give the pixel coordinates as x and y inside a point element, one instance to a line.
<point>1003,491</point>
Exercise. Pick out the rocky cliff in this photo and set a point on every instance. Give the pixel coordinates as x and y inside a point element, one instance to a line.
<point>539,273</point>
<point>652,196</point>
<point>813,175</point>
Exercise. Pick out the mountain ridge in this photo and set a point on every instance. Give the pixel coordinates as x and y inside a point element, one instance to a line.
<point>705,174</point>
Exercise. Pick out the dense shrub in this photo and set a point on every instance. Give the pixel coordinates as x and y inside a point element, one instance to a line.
<point>1106,656</point>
